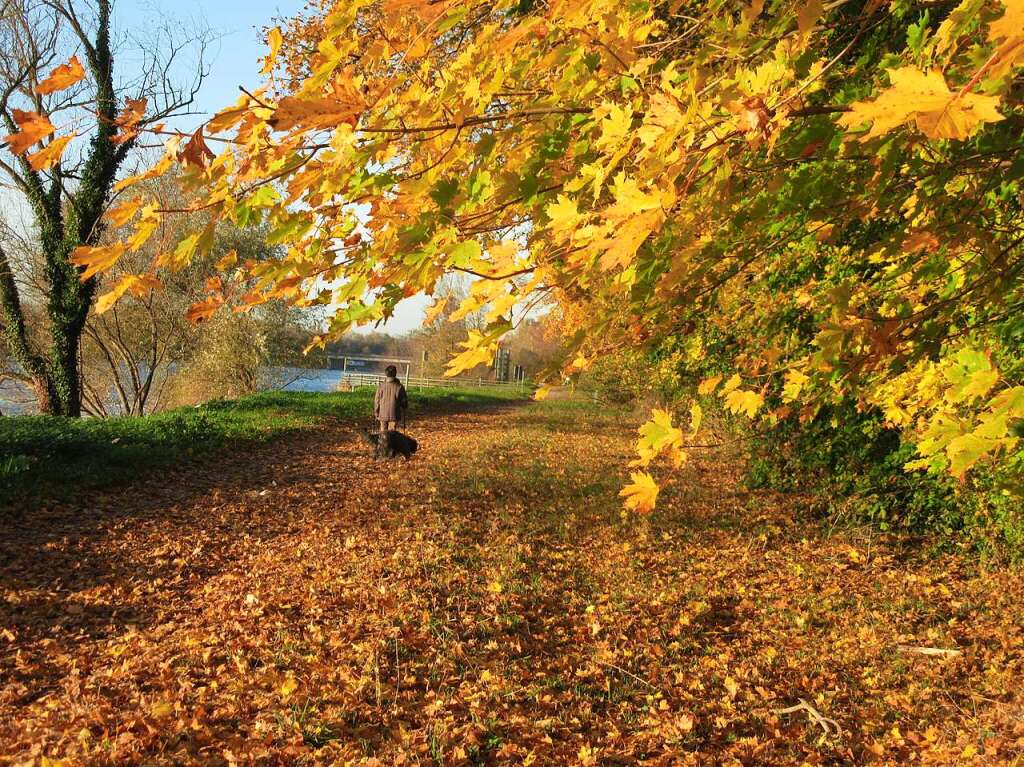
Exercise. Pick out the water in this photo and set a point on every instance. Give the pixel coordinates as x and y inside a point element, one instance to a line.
<point>297,379</point>
<point>17,399</point>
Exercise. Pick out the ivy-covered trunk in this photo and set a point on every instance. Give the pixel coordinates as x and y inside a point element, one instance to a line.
<point>64,222</point>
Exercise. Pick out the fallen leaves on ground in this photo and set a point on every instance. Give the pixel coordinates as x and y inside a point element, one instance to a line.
<point>488,603</point>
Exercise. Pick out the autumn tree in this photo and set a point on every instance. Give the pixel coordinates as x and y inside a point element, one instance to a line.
<point>823,198</point>
<point>73,119</point>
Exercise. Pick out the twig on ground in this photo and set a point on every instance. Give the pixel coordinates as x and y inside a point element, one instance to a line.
<point>931,651</point>
<point>629,674</point>
<point>829,726</point>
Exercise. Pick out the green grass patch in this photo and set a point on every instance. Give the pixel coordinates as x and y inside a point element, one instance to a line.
<point>47,458</point>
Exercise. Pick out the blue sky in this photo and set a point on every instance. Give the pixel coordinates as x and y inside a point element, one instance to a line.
<point>236,58</point>
<point>237,52</point>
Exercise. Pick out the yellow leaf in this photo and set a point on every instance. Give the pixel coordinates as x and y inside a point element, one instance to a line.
<point>620,249</point>
<point>732,384</point>
<point>642,495</point>
<point>32,128</point>
<point>50,155</point>
<point>274,39</point>
<point>731,687</point>
<point>288,686</point>
<point>480,350</point>
<point>162,710</point>
<point>542,393</point>
<point>696,417</point>
<point>96,259</point>
<point>659,434</point>
<point>495,587</point>
<point>564,214</point>
<point>741,401</point>
<point>63,77</point>
<point>148,223</point>
<point>160,168</point>
<point>434,311</point>
<point>708,385</point>
<point>137,284</point>
<point>924,98</point>
<point>795,381</point>
<point>226,261</point>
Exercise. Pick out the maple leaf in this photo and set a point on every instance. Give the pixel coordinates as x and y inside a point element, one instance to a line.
<point>294,112</point>
<point>708,385</point>
<point>808,14</point>
<point>1008,32</point>
<point>923,97</point>
<point>96,259</point>
<point>275,40</point>
<point>137,284</point>
<point>434,311</point>
<point>204,310</point>
<point>148,223</point>
<point>51,154</point>
<point>658,433</point>
<point>196,152</point>
<point>32,128</point>
<point>120,215</point>
<point>129,119</point>
<point>642,494</point>
<point>795,380</point>
<point>620,250</point>
<point>563,214</point>
<point>742,401</point>
<point>480,349</point>
<point>62,78</point>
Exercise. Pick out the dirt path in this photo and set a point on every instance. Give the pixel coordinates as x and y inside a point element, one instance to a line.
<point>487,604</point>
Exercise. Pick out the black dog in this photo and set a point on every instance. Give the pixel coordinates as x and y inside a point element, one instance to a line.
<point>390,444</point>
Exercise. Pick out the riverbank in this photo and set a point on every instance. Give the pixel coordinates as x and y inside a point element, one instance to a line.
<point>45,459</point>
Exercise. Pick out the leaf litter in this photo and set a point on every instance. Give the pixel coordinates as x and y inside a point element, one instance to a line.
<point>489,603</point>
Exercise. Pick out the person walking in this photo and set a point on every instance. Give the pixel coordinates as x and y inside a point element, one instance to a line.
<point>390,402</point>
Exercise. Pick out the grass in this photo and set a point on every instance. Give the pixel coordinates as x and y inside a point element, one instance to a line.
<point>43,458</point>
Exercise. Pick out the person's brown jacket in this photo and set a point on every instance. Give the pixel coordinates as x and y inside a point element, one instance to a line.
<point>390,400</point>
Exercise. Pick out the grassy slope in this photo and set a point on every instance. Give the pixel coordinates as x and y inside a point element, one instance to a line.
<point>54,458</point>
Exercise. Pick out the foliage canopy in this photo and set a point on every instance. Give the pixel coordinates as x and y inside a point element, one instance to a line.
<point>834,189</point>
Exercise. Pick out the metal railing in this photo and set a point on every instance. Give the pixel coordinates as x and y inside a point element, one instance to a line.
<point>372,379</point>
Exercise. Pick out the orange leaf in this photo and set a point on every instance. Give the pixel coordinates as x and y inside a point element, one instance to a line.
<point>96,259</point>
<point>196,152</point>
<point>295,112</point>
<point>129,119</point>
<point>50,155</point>
<point>204,310</point>
<point>63,77</point>
<point>32,128</point>
<point>123,213</point>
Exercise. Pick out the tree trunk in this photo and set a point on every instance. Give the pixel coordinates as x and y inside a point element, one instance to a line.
<point>46,397</point>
